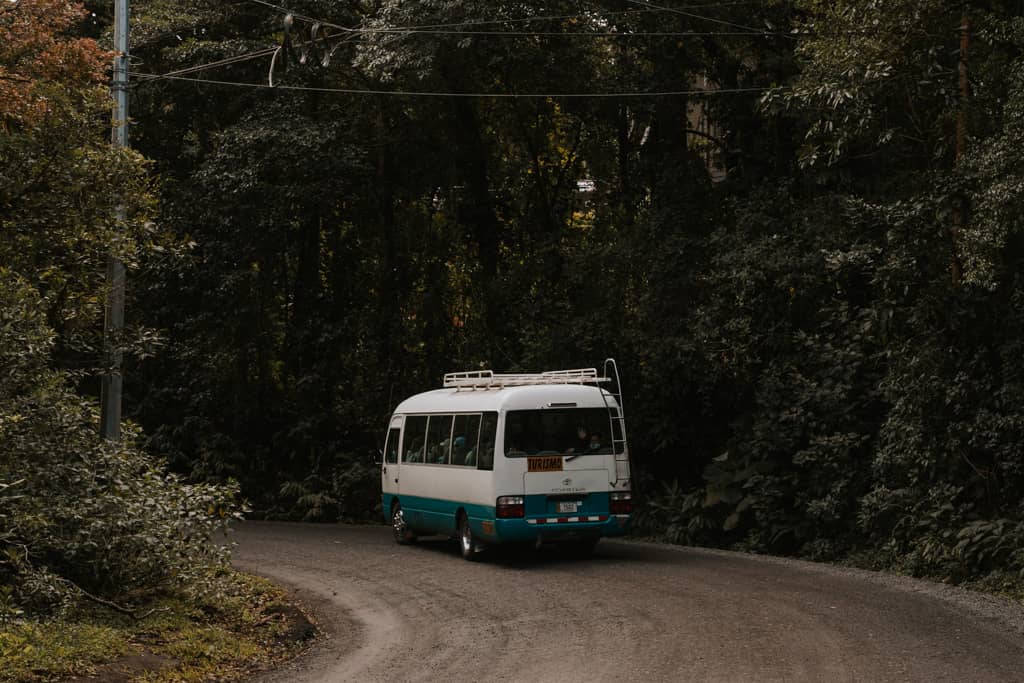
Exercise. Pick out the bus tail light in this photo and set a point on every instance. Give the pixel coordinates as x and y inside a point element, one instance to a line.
<point>620,502</point>
<point>510,507</point>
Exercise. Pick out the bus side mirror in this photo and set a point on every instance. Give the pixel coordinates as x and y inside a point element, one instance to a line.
<point>378,457</point>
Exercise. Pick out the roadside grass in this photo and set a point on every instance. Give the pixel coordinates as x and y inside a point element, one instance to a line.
<point>1005,584</point>
<point>45,652</point>
<point>248,624</point>
<point>999,582</point>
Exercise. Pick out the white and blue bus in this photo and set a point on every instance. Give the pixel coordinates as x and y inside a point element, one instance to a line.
<point>499,458</point>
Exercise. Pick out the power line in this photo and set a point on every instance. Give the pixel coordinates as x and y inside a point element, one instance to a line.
<point>432,28</point>
<point>596,13</point>
<point>649,5</point>
<point>223,62</point>
<point>227,61</point>
<point>427,29</point>
<point>303,17</point>
<point>265,52</point>
<point>567,34</point>
<point>511,20</point>
<point>426,93</point>
<point>673,10</point>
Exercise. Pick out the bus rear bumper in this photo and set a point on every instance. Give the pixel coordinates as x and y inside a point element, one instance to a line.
<point>559,529</point>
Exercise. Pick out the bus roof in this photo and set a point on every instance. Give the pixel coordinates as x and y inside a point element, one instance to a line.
<point>507,398</point>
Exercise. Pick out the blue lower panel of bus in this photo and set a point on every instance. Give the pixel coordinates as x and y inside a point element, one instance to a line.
<point>437,516</point>
<point>563,528</point>
<point>590,520</point>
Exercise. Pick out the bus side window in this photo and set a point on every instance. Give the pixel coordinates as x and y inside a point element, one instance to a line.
<point>465,435</point>
<point>488,434</point>
<point>439,436</point>
<point>391,446</point>
<point>412,443</point>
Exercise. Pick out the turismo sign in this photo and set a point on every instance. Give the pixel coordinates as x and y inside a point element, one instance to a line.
<point>546,463</point>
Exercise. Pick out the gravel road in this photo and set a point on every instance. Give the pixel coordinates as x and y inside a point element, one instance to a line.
<point>633,612</point>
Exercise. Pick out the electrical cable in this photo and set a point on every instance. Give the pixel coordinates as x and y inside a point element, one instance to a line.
<point>427,29</point>
<point>568,34</point>
<point>751,29</point>
<point>223,62</point>
<point>432,29</point>
<point>425,93</point>
<point>596,13</point>
<point>304,17</point>
<point>513,20</point>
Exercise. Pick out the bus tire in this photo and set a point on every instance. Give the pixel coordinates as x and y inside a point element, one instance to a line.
<point>399,527</point>
<point>468,545</point>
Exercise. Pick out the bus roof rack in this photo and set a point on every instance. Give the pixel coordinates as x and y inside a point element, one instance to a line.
<point>488,379</point>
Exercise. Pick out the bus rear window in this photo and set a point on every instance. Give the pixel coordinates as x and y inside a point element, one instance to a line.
<point>557,431</point>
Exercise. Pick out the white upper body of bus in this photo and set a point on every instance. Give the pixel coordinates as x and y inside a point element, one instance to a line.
<point>504,399</point>
<point>563,413</point>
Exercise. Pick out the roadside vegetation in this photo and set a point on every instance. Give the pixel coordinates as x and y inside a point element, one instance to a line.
<point>106,557</point>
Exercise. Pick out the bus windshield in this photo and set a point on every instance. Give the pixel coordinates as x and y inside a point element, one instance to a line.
<point>558,431</point>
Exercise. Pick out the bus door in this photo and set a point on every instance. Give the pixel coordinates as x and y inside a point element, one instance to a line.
<point>390,468</point>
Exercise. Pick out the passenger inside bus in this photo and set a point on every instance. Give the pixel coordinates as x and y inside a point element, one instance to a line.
<point>459,450</point>
<point>414,453</point>
<point>581,443</point>
<point>439,452</point>
<point>486,454</point>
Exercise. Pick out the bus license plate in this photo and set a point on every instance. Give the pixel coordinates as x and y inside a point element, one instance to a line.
<point>567,506</point>
<point>544,464</point>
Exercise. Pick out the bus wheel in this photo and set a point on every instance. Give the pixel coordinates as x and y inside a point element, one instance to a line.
<point>400,529</point>
<point>467,544</point>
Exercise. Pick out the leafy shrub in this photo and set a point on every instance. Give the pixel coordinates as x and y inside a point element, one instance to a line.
<point>984,545</point>
<point>676,515</point>
<point>78,516</point>
<point>311,500</point>
<point>355,484</point>
<point>351,493</point>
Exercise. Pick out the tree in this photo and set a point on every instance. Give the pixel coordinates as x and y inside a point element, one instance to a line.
<point>59,176</point>
<point>78,518</point>
<point>898,439</point>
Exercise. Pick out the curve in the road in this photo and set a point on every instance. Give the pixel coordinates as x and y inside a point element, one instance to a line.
<point>634,611</point>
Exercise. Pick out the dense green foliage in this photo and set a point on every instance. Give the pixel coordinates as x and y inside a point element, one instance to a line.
<point>77,518</point>
<point>821,348</point>
<point>814,290</point>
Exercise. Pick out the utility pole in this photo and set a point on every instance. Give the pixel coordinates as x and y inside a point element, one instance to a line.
<point>961,210</point>
<point>113,326</point>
